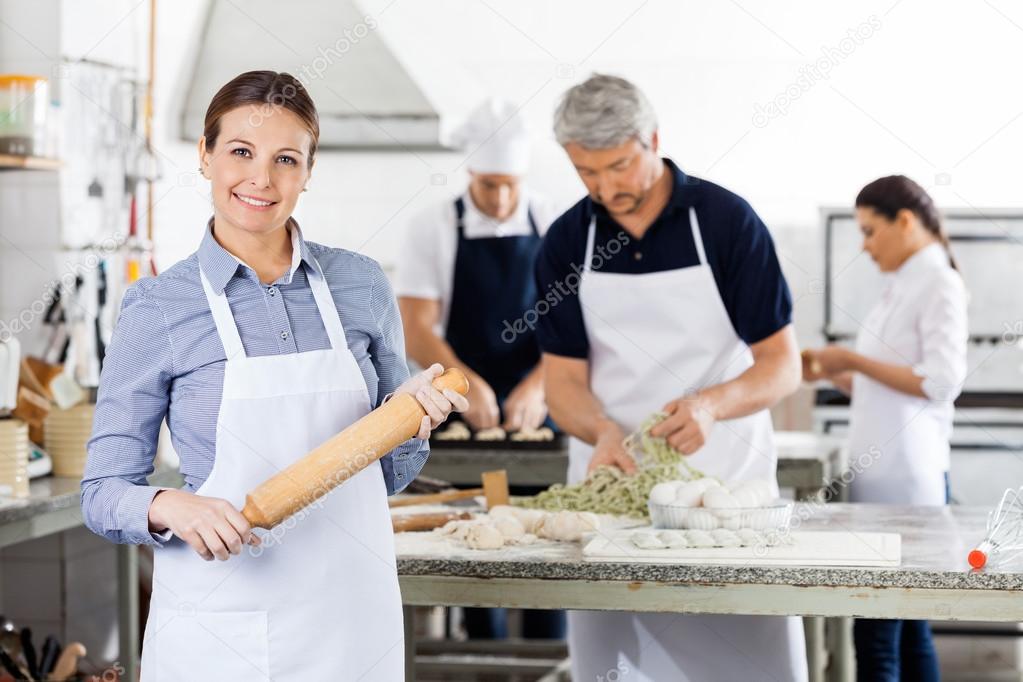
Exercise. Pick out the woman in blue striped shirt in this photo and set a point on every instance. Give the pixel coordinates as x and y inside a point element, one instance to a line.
<point>256,349</point>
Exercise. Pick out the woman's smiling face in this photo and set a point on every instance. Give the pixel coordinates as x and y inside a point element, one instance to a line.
<point>258,166</point>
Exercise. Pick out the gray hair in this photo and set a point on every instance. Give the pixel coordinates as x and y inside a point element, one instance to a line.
<point>604,112</point>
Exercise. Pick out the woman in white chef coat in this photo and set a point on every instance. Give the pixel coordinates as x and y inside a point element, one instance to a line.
<point>907,368</point>
<point>258,348</point>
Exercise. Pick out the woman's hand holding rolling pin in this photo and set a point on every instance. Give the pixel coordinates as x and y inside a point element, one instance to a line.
<point>438,405</point>
<point>210,525</point>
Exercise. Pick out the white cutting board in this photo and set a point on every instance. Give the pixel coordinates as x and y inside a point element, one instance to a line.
<point>807,549</point>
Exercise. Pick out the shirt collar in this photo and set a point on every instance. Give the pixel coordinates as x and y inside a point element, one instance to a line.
<point>477,221</point>
<point>220,266</point>
<point>927,258</point>
<point>678,200</point>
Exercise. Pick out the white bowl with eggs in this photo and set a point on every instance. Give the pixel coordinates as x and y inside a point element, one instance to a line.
<point>708,504</point>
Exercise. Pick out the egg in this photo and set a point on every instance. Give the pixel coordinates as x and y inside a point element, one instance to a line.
<point>663,493</point>
<point>689,494</point>
<point>719,498</point>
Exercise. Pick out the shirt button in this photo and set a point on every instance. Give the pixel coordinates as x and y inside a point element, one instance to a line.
<point>272,291</point>
<point>284,335</point>
<point>638,255</point>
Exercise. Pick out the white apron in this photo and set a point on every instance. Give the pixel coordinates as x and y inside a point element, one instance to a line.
<point>898,443</point>
<point>655,337</point>
<point>319,599</point>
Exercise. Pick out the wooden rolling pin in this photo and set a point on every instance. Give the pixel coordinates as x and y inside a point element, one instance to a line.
<point>343,456</point>
<point>419,522</point>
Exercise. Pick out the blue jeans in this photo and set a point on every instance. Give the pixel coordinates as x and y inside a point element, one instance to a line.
<point>894,651</point>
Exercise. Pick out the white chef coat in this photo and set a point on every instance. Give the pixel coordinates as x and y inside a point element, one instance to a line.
<point>426,255</point>
<point>899,443</point>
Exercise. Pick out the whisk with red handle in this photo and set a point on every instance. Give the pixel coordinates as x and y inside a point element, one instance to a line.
<point>1004,539</point>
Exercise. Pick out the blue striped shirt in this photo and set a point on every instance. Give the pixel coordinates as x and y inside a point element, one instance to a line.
<point>166,360</point>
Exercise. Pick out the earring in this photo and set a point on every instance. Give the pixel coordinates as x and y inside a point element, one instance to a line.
<point>305,189</point>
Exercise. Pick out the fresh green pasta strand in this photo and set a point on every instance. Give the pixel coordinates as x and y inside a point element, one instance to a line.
<point>608,490</point>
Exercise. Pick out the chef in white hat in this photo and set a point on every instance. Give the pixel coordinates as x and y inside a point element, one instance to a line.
<point>466,293</point>
<point>464,279</point>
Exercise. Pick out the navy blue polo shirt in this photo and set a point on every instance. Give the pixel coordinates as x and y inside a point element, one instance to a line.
<point>739,250</point>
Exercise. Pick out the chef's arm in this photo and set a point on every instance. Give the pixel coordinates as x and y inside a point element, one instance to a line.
<point>571,403</point>
<point>842,381</point>
<point>775,374</point>
<point>419,317</point>
<point>898,377</point>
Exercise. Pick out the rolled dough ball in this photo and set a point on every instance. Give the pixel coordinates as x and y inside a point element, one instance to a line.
<point>719,498</point>
<point>526,539</point>
<point>493,433</point>
<point>509,526</point>
<point>645,539</point>
<point>484,536</point>
<point>567,526</point>
<point>529,518</point>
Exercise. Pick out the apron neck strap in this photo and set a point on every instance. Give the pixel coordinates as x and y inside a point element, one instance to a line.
<point>328,310</point>
<point>589,244</point>
<point>222,317</point>
<point>694,225</point>
<point>227,328</point>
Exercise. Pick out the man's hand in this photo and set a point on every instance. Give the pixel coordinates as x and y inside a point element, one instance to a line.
<point>438,405</point>
<point>483,412</point>
<point>609,451</point>
<point>688,425</point>
<point>526,406</point>
<point>210,525</point>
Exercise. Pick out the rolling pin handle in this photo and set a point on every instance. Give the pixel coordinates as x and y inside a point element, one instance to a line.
<point>454,379</point>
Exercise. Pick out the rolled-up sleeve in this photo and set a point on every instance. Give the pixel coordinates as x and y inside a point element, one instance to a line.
<point>943,333</point>
<point>387,349</point>
<point>132,402</point>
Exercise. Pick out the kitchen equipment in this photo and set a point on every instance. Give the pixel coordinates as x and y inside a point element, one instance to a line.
<point>10,361</point>
<point>341,457</point>
<point>67,662</point>
<point>24,107</point>
<point>66,433</point>
<point>29,651</point>
<point>48,657</point>
<point>805,549</point>
<point>420,522</point>
<point>495,489</point>
<point>770,517</point>
<point>1004,539</point>
<point>14,448</point>
<point>32,408</point>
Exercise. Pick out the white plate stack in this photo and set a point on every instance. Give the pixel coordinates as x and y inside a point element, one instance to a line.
<point>13,458</point>
<point>66,433</point>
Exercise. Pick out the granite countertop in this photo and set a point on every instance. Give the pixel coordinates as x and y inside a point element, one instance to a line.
<point>49,494</point>
<point>935,542</point>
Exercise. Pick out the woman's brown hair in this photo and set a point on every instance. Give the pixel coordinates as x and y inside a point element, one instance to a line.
<point>893,193</point>
<point>269,89</point>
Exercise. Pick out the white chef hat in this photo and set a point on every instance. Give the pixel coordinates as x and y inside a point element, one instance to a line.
<point>496,137</point>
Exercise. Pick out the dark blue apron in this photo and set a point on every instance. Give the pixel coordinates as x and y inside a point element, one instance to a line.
<point>493,288</point>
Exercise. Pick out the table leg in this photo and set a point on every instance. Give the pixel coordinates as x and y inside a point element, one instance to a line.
<point>128,610</point>
<point>816,653</point>
<point>841,658</point>
<point>409,618</point>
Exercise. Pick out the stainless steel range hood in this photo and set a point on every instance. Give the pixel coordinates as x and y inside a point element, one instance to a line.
<point>365,97</point>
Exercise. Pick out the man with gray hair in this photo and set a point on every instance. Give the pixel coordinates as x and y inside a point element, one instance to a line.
<point>663,293</point>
